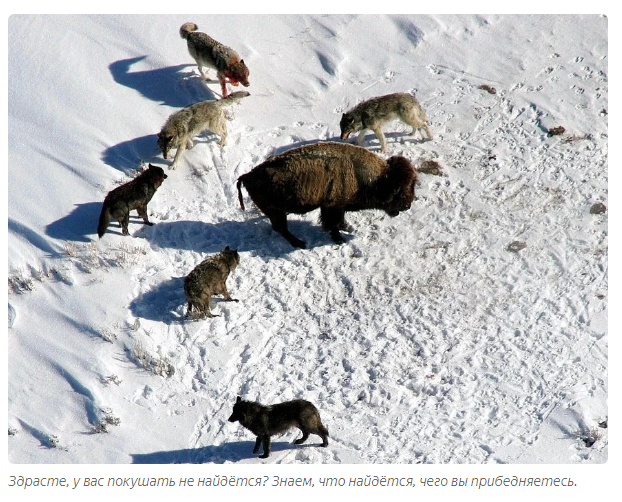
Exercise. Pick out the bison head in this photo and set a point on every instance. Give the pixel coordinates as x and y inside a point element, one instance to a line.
<point>396,188</point>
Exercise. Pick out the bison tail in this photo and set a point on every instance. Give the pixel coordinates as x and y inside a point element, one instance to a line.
<point>240,180</point>
<point>104,220</point>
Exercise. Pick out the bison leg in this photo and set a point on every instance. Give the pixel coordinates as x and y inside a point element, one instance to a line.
<point>279,224</point>
<point>332,221</point>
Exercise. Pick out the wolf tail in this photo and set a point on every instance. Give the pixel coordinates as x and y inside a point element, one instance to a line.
<point>104,220</point>
<point>323,429</point>
<point>186,29</point>
<point>232,98</point>
<point>240,181</point>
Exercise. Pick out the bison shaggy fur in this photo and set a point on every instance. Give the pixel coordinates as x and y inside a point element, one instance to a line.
<point>335,177</point>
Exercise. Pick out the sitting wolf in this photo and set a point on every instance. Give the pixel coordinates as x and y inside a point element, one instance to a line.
<point>207,279</point>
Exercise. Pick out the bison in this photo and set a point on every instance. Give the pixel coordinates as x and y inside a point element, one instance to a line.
<point>335,177</point>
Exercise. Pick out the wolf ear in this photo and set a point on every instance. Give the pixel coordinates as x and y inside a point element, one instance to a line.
<point>227,248</point>
<point>238,400</point>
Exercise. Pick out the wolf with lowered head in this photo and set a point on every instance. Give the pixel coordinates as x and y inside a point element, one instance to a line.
<point>208,52</point>
<point>374,113</point>
<point>188,122</point>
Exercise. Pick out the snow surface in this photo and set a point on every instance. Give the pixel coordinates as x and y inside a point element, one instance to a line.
<point>423,339</point>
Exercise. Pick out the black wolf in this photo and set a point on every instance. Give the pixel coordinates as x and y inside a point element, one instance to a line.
<point>266,421</point>
<point>134,194</point>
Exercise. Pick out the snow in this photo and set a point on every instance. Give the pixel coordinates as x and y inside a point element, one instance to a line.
<point>423,339</point>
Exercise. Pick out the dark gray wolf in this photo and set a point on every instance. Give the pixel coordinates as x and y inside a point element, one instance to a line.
<point>207,279</point>
<point>336,177</point>
<point>266,421</point>
<point>208,52</point>
<point>188,122</point>
<point>374,113</point>
<point>134,194</point>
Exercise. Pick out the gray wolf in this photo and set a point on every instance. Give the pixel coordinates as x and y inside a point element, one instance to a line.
<point>266,421</point>
<point>335,177</point>
<point>134,194</point>
<point>188,122</point>
<point>208,52</point>
<point>374,113</point>
<point>207,279</point>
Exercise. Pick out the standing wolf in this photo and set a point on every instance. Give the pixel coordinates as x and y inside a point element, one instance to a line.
<point>188,122</point>
<point>374,113</point>
<point>208,52</point>
<point>134,194</point>
<point>207,279</point>
<point>266,421</point>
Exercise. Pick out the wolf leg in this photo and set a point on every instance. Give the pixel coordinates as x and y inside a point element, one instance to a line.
<point>427,131</point>
<point>180,150</point>
<point>257,444</point>
<point>142,212</point>
<point>204,307</point>
<point>418,124</point>
<point>125,221</point>
<point>360,137</point>
<point>305,436</point>
<point>223,84</point>
<point>383,144</point>
<point>222,132</point>
<point>266,447</point>
<point>324,440</point>
<point>202,71</point>
<point>222,289</point>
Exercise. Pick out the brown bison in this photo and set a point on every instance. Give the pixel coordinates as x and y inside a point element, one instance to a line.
<point>336,177</point>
